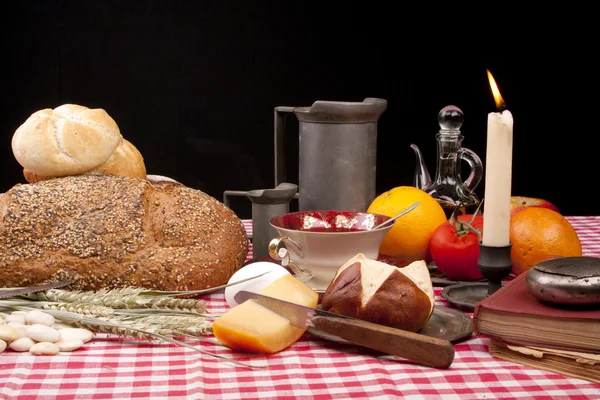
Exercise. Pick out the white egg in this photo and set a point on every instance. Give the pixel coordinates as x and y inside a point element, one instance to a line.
<point>274,272</point>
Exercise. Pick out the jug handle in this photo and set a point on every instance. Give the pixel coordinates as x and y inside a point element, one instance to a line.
<point>476,167</point>
<point>229,193</point>
<point>279,131</point>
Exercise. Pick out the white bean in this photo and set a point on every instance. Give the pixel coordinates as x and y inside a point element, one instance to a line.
<point>3,315</point>
<point>20,328</point>
<point>84,335</point>
<point>69,344</point>
<point>20,318</point>
<point>19,313</point>
<point>44,348</point>
<point>2,345</point>
<point>8,333</point>
<point>2,321</point>
<point>39,317</point>
<point>61,325</point>
<point>43,333</point>
<point>22,344</point>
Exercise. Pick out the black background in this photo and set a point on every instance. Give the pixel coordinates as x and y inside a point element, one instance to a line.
<point>193,84</point>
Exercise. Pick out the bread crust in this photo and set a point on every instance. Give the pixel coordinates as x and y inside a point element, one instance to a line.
<point>125,161</point>
<point>105,231</point>
<point>386,296</point>
<point>68,140</point>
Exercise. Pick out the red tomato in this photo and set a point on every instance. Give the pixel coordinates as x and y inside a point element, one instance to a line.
<point>454,248</point>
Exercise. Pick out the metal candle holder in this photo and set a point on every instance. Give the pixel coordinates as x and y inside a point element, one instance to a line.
<point>494,264</point>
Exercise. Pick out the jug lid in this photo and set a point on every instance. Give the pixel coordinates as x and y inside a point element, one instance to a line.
<point>283,193</point>
<point>342,112</point>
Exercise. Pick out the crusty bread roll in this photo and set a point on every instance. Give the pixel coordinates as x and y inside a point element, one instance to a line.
<point>106,231</point>
<point>381,293</point>
<point>69,140</point>
<point>125,161</point>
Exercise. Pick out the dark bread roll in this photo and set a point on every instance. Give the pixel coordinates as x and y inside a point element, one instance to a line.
<point>106,231</point>
<point>381,293</point>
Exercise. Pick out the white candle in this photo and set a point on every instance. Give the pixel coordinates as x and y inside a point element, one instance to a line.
<point>496,206</point>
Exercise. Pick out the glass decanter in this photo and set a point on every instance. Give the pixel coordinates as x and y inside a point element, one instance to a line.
<point>447,187</point>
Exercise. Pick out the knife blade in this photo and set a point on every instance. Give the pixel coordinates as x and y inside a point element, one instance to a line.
<point>422,349</point>
<point>11,292</point>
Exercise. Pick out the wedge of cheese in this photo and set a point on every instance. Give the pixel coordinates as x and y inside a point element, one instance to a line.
<point>253,328</point>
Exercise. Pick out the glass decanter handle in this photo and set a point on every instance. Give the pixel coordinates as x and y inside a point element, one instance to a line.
<point>476,167</point>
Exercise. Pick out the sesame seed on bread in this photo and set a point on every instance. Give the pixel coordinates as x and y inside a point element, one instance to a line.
<point>108,231</point>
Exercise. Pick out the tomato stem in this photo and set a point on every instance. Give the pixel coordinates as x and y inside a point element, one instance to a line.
<point>463,228</point>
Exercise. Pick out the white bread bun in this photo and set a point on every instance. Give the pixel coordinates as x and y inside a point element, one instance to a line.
<point>374,291</point>
<point>68,140</point>
<point>125,161</point>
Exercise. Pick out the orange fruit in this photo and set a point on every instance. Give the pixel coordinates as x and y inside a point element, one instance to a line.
<point>539,234</point>
<point>408,239</point>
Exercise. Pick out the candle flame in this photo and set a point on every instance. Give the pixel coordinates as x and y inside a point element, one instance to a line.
<point>500,104</point>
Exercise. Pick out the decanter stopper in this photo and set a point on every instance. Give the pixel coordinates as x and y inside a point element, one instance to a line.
<point>450,119</point>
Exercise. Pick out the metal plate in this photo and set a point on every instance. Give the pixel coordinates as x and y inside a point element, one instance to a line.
<point>465,295</point>
<point>445,323</point>
<point>440,280</point>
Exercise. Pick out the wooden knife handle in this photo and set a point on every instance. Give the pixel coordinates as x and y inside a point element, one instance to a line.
<point>423,349</point>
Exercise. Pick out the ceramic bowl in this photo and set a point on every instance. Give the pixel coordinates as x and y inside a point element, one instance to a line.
<point>314,244</point>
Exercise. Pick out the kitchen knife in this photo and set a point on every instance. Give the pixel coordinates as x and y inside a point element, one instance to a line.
<point>11,292</point>
<point>422,349</point>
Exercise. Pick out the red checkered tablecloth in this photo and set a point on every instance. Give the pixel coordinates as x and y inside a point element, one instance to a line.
<point>312,368</point>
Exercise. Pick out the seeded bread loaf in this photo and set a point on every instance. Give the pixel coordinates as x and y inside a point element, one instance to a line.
<point>103,231</point>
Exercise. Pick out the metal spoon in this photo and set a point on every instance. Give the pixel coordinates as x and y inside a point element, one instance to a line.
<point>401,213</point>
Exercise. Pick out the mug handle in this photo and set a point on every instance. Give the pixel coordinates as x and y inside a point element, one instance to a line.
<point>278,251</point>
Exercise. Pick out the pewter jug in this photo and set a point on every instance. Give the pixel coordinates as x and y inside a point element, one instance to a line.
<point>448,188</point>
<point>337,153</point>
<point>266,204</point>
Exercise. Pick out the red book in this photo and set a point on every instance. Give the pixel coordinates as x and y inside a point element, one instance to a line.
<point>513,315</point>
<point>578,365</point>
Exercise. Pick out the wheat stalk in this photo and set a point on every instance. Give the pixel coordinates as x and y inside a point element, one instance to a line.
<point>131,311</point>
<point>129,297</point>
<point>164,322</point>
<point>135,331</point>
<point>178,325</point>
<point>133,297</point>
<point>121,327</point>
